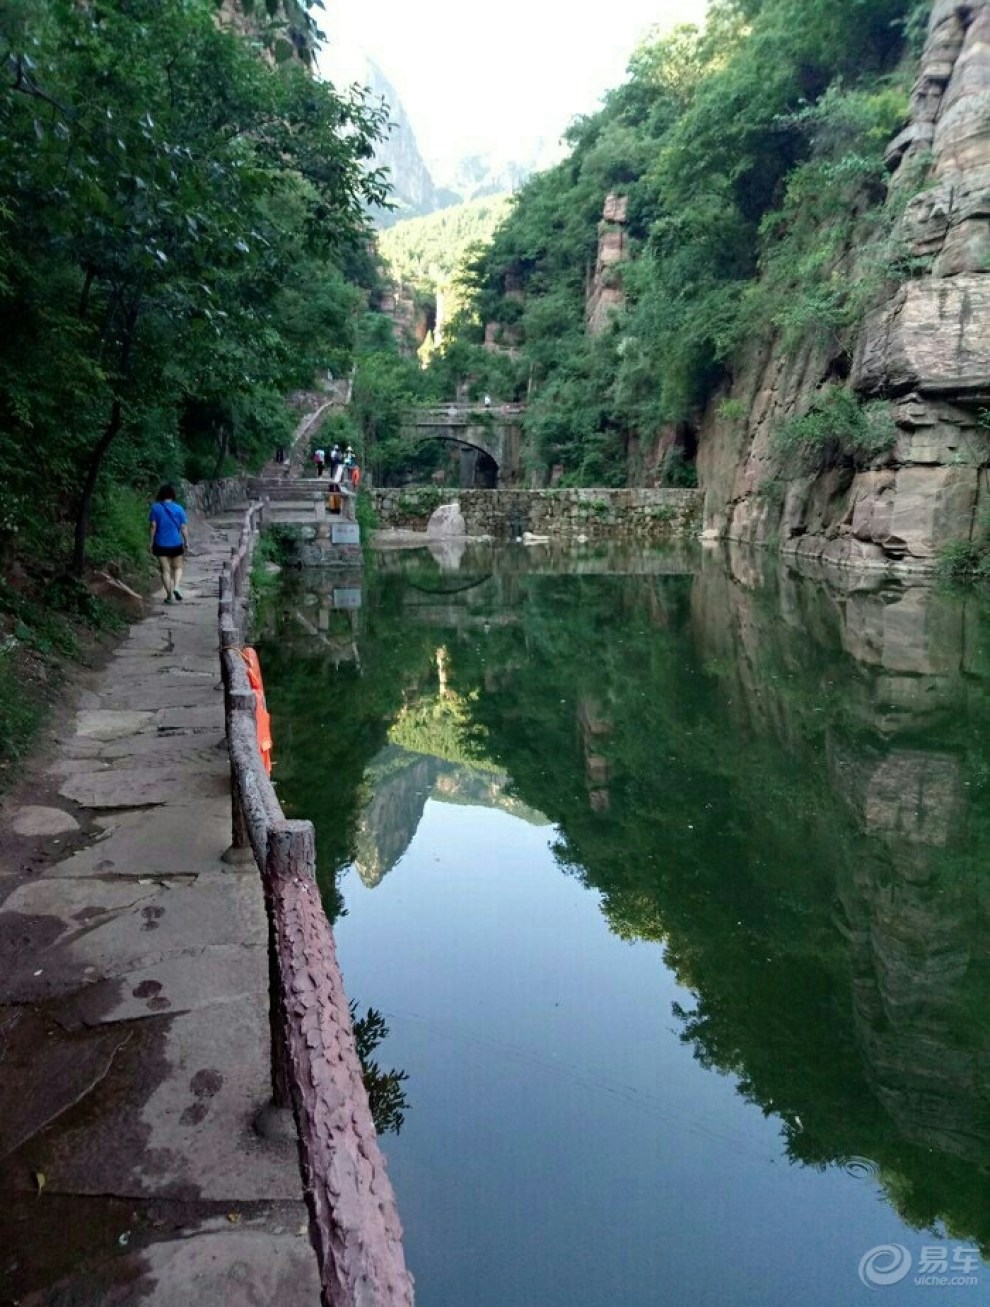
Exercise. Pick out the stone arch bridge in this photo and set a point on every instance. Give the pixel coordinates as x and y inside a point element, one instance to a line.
<point>495,433</point>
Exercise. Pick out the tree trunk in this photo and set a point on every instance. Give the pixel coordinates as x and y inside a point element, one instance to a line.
<point>110,433</point>
<point>89,485</point>
<point>84,293</point>
<point>222,447</point>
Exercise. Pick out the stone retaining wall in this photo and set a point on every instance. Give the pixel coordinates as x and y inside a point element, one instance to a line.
<point>638,514</point>
<point>211,498</point>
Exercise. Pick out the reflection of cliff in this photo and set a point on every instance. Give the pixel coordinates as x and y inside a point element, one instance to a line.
<point>904,762</point>
<point>783,779</point>
<point>401,783</point>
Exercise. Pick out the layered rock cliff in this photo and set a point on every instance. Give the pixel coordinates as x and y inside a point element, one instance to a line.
<point>924,350</point>
<point>605,293</point>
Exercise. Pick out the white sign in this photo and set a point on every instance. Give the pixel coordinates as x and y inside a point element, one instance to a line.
<point>345,533</point>
<point>347,598</point>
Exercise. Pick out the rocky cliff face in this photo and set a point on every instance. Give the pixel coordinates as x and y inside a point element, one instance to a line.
<point>925,350</point>
<point>285,30</point>
<point>605,295</point>
<point>409,320</point>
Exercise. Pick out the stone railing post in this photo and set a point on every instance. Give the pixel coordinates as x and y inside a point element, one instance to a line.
<point>291,853</point>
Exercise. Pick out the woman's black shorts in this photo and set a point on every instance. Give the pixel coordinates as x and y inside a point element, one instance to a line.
<point>168,551</point>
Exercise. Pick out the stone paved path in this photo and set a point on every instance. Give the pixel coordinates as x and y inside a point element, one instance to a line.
<point>133,1003</point>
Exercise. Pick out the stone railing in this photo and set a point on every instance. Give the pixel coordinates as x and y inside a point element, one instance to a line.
<point>316,1072</point>
<point>639,514</point>
<point>459,414</point>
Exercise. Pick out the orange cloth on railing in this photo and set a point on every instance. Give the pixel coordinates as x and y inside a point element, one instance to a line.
<point>262,718</point>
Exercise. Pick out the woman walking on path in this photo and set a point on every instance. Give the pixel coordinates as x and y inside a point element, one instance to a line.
<point>169,539</point>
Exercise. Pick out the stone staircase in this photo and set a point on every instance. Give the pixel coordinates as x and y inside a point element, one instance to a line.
<point>326,538</point>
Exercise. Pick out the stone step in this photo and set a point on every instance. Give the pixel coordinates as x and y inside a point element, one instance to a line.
<point>312,490</point>
<point>299,517</point>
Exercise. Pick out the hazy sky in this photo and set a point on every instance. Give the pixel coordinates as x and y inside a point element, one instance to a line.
<point>487,73</point>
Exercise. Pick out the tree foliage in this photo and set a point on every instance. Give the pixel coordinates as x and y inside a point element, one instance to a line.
<point>751,156</point>
<point>428,251</point>
<point>172,200</point>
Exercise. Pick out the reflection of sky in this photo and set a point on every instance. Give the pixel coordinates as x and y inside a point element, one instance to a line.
<point>401,783</point>
<point>562,1147</point>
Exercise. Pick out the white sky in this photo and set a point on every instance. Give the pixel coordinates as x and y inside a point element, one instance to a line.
<point>490,74</point>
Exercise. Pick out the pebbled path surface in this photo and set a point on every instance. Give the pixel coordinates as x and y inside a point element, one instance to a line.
<point>133,1001</point>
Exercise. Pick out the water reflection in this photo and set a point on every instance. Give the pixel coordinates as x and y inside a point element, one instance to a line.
<point>401,782</point>
<point>883,712</point>
<point>779,776</point>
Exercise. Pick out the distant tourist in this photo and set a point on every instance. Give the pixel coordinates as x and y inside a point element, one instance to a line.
<point>350,463</point>
<point>169,539</point>
<point>488,401</point>
<point>280,454</point>
<point>336,458</point>
<point>319,458</point>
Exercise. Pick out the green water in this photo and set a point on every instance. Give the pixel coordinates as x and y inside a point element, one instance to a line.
<point>671,877</point>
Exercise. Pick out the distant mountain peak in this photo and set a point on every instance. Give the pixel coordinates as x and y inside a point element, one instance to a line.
<point>419,187</point>
<point>413,191</point>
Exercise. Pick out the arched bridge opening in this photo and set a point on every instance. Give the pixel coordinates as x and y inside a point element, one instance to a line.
<point>490,439</point>
<point>477,467</point>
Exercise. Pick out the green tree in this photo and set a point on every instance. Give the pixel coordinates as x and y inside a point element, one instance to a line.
<point>750,154</point>
<point>166,185</point>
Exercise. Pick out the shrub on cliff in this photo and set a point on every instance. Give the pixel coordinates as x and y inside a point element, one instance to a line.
<point>837,428</point>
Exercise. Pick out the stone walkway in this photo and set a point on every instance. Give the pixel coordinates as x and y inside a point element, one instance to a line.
<point>134,1019</point>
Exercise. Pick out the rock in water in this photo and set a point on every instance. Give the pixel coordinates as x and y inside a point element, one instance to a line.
<point>447,523</point>
<point>447,552</point>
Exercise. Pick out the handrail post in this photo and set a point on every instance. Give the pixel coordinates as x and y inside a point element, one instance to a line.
<point>291,852</point>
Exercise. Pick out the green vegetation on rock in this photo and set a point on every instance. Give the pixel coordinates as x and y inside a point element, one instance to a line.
<point>750,157</point>
<point>838,427</point>
<point>428,252</point>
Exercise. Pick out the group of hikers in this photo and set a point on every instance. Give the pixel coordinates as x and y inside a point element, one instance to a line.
<point>343,463</point>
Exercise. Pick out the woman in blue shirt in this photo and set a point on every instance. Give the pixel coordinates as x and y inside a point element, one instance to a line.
<point>169,538</point>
